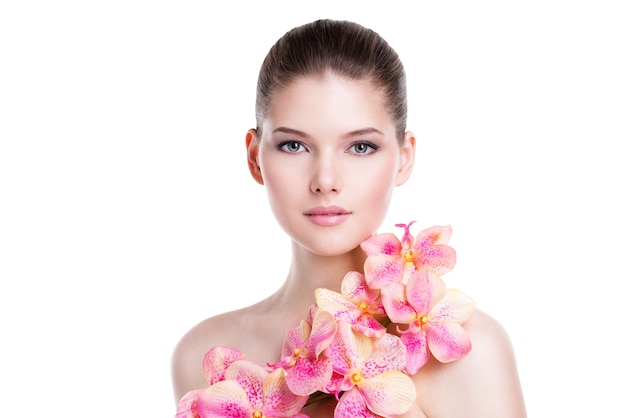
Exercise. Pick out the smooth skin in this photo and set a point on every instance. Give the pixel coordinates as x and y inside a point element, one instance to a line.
<point>328,141</point>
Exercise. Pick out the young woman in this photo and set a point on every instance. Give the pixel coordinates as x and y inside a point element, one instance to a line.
<point>330,146</point>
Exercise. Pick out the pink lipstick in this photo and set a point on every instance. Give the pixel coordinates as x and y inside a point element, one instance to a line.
<point>327,215</point>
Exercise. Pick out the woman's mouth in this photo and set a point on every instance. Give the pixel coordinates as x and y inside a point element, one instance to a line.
<point>327,215</point>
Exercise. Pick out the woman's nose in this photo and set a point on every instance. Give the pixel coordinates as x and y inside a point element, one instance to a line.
<point>326,177</point>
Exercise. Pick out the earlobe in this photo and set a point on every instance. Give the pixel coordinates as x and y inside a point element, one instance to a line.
<point>252,148</point>
<point>407,158</point>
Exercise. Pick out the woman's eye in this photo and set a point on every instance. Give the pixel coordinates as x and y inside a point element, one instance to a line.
<point>291,146</point>
<point>363,148</point>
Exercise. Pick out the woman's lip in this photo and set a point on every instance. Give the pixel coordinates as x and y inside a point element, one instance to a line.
<point>328,219</point>
<point>327,211</point>
<point>327,215</point>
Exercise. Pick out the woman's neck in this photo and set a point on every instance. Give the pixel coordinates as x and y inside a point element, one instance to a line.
<point>309,271</point>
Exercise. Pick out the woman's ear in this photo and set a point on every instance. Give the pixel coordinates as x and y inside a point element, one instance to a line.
<point>252,148</point>
<point>407,158</point>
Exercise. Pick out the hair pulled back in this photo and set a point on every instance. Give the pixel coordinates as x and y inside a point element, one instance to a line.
<point>342,47</point>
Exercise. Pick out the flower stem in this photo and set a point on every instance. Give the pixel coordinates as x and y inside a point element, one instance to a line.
<point>317,396</point>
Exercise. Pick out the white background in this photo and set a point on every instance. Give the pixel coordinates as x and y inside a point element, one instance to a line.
<point>128,214</point>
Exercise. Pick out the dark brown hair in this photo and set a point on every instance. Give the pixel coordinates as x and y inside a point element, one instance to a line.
<point>341,47</point>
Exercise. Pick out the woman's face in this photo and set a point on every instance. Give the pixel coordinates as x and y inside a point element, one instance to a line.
<point>329,159</point>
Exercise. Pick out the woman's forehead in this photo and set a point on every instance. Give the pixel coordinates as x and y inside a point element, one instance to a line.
<point>328,106</point>
<point>328,91</point>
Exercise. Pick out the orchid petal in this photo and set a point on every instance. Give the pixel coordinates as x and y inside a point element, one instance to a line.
<point>335,385</point>
<point>389,394</point>
<point>407,237</point>
<point>354,287</point>
<point>323,332</point>
<point>335,303</point>
<point>355,312</point>
<point>447,341</point>
<point>296,338</point>
<point>388,353</point>
<point>217,360</point>
<point>432,236</point>
<point>417,350</point>
<point>278,400</point>
<point>396,306</point>
<point>308,376</point>
<point>423,290</point>
<point>301,351</point>
<point>224,399</point>
<point>352,405</point>
<point>386,243</point>
<point>188,405</point>
<point>250,377</point>
<point>438,258</point>
<point>368,325</point>
<point>381,270</point>
<point>313,310</point>
<point>456,306</point>
<point>349,349</point>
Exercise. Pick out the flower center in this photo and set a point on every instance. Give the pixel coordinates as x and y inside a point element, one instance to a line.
<point>363,306</point>
<point>257,414</point>
<point>423,320</point>
<point>356,378</point>
<point>408,256</point>
<point>297,352</point>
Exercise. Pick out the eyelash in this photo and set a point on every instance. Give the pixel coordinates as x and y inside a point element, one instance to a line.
<point>283,147</point>
<point>369,145</point>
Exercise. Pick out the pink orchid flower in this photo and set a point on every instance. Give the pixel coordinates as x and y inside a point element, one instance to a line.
<point>214,365</point>
<point>434,315</point>
<point>217,360</point>
<point>188,405</point>
<point>250,391</point>
<point>368,371</point>
<point>307,370</point>
<point>356,304</point>
<point>392,260</point>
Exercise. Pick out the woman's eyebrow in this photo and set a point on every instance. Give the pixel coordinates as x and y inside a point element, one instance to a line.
<point>357,132</point>
<point>291,131</point>
<point>363,131</point>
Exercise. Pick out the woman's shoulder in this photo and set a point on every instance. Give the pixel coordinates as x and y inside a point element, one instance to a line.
<point>483,383</point>
<point>241,329</point>
<point>186,361</point>
<point>488,336</point>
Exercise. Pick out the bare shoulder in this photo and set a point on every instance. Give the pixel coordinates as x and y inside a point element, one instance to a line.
<point>485,383</point>
<point>186,362</point>
<point>241,329</point>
